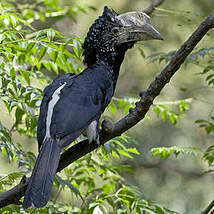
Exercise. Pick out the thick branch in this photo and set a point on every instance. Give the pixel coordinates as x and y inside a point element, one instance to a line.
<point>13,195</point>
<point>137,114</point>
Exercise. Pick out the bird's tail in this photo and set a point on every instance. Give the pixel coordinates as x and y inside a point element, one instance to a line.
<point>41,181</point>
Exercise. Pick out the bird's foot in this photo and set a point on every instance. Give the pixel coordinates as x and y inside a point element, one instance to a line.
<point>107,126</point>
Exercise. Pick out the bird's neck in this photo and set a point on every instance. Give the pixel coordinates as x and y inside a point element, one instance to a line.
<point>114,60</point>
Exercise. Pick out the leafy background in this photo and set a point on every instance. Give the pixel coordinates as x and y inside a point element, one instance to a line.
<point>162,164</point>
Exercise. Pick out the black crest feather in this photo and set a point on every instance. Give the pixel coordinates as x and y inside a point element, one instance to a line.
<point>94,42</point>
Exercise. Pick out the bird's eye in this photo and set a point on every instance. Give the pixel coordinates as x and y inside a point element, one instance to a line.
<point>115,30</point>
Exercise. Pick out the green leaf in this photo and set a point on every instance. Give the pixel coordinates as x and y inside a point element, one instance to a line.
<point>50,34</point>
<point>93,204</point>
<point>76,47</point>
<point>15,158</point>
<point>2,37</point>
<point>15,175</point>
<point>133,150</point>
<point>4,151</point>
<point>12,73</point>
<point>54,55</point>
<point>183,89</point>
<point>165,152</point>
<point>172,118</point>
<point>209,77</point>
<point>19,114</point>
<point>201,121</point>
<point>26,76</point>
<point>26,23</point>
<point>13,21</point>
<point>207,69</point>
<point>124,153</point>
<point>164,115</point>
<point>68,184</point>
<point>1,60</point>
<point>42,53</point>
<point>157,110</point>
<point>30,46</point>
<point>209,155</point>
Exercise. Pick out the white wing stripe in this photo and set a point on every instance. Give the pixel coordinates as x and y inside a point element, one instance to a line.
<point>52,103</point>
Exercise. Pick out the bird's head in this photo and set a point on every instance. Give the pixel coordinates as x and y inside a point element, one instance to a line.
<point>112,34</point>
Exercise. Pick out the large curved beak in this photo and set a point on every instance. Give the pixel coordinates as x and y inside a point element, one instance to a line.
<point>136,26</point>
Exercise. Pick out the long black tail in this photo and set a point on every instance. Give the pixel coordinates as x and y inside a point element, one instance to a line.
<point>41,181</point>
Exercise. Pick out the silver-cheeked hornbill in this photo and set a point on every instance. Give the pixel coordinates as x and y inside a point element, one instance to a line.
<point>72,104</point>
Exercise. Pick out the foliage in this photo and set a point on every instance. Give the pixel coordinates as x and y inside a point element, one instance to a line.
<point>207,67</point>
<point>208,125</point>
<point>162,109</point>
<point>28,60</point>
<point>30,57</point>
<point>172,110</point>
<point>209,154</point>
<point>165,152</point>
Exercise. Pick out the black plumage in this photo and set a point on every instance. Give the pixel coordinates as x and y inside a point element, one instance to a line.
<point>73,103</point>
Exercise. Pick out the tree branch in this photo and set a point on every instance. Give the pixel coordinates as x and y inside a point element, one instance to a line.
<point>165,167</point>
<point>136,114</point>
<point>208,209</point>
<point>13,195</point>
<point>152,6</point>
<point>37,24</point>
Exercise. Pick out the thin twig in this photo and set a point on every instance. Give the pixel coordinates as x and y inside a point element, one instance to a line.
<point>13,128</point>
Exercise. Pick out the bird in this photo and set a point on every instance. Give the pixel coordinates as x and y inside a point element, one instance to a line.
<point>73,103</point>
